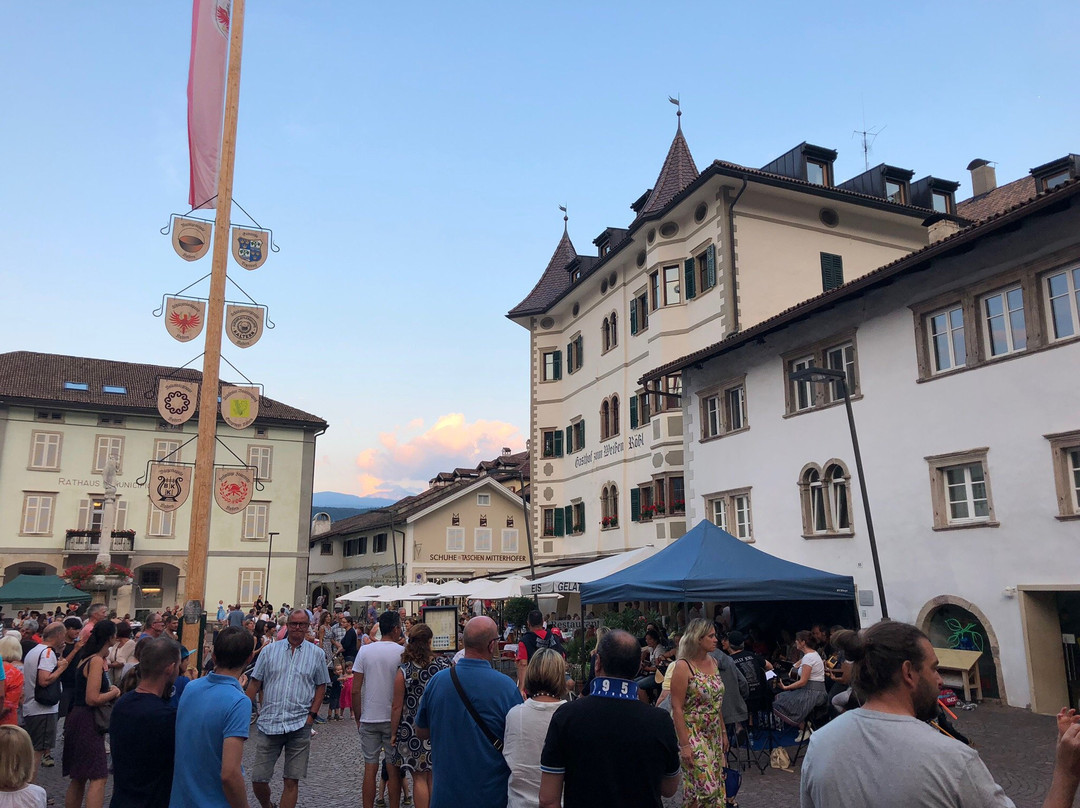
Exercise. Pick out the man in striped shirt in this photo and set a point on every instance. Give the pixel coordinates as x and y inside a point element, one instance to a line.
<point>292,676</point>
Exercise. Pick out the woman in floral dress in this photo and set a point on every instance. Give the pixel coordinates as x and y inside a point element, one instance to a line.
<point>696,694</point>
<point>418,664</point>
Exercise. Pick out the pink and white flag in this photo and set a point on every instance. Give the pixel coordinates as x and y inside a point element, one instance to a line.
<point>206,96</point>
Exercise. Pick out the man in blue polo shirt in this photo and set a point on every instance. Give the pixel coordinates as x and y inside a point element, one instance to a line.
<point>466,765</point>
<point>211,727</point>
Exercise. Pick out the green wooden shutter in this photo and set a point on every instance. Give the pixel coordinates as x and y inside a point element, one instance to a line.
<point>635,505</point>
<point>557,365</point>
<point>633,317</point>
<point>580,345</point>
<point>559,530</point>
<point>832,271</point>
<point>569,518</point>
<point>633,412</point>
<point>569,357</point>
<point>581,510</point>
<point>689,279</point>
<point>710,266</point>
<point>569,440</point>
<point>581,433</point>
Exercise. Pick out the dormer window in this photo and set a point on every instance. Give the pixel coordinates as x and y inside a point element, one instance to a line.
<point>941,201</point>
<point>817,172</point>
<point>1054,180</point>
<point>1057,172</point>
<point>895,191</point>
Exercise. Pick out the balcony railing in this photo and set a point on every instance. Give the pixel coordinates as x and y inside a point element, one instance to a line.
<point>89,541</point>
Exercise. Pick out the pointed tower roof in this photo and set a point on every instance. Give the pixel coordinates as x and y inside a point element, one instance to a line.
<point>678,171</point>
<point>552,283</point>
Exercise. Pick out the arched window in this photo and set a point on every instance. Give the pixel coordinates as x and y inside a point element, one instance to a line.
<point>605,335</point>
<point>614,416</point>
<point>826,499</point>
<point>605,420</point>
<point>613,499</point>
<point>813,501</point>
<point>836,477</point>
<point>609,506</point>
<point>614,336</point>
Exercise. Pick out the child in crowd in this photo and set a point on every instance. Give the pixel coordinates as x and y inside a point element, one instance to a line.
<point>16,770</point>
<point>345,702</point>
<point>333,695</point>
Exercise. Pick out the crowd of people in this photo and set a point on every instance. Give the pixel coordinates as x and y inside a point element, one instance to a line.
<point>654,713</point>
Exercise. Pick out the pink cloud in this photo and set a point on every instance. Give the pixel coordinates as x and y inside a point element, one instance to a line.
<point>407,457</point>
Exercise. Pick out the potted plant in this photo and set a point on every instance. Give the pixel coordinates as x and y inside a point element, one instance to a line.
<point>678,506</point>
<point>96,577</point>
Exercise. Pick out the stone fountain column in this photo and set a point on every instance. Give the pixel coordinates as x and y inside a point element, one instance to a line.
<point>108,514</point>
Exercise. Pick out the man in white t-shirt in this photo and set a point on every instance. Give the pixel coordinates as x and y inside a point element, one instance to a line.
<point>372,695</point>
<point>41,667</point>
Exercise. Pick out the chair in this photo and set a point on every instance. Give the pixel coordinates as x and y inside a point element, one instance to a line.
<point>818,718</point>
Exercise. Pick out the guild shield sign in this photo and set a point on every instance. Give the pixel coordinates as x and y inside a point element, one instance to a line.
<point>249,247</point>
<point>176,400</point>
<point>184,318</point>
<point>169,485</point>
<point>233,488</point>
<point>191,238</point>
<point>244,325</point>
<point>239,405</point>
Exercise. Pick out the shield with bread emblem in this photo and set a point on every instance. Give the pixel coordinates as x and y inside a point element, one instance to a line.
<point>191,238</point>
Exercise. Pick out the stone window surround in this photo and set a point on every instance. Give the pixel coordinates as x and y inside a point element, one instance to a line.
<point>721,389</point>
<point>52,497</point>
<point>728,496</point>
<point>817,350</point>
<point>1060,444</point>
<point>34,435</point>
<point>938,498</point>
<point>831,532</point>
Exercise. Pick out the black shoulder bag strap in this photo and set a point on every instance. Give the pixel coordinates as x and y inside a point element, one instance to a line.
<point>494,739</point>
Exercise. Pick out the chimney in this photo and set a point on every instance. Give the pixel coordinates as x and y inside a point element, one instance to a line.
<point>983,177</point>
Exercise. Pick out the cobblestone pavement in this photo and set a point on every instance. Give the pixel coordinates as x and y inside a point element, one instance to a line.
<point>1017,746</point>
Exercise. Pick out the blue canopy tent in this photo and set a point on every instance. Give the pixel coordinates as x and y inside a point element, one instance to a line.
<point>709,564</point>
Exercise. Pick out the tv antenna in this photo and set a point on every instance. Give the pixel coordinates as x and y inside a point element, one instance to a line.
<point>868,138</point>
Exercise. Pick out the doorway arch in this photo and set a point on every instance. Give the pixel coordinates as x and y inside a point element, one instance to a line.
<point>976,629</point>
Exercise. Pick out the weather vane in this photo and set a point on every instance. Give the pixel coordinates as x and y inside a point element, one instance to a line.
<point>678,103</point>
<point>565,218</point>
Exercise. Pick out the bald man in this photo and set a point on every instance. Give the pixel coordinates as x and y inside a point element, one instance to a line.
<point>467,760</point>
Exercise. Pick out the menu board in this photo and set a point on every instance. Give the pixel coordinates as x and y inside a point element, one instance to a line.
<point>442,620</point>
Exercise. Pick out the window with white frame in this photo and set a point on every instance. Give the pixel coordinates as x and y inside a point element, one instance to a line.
<point>723,409</point>
<point>551,441</point>
<point>37,513</point>
<point>960,490</point>
<point>945,331</point>
<point>166,448</point>
<point>45,450</point>
<point>1063,303</point>
<point>262,458</point>
<point>92,513</point>
<point>378,543</point>
<point>250,586</point>
<point>108,445</point>
<point>455,540</point>
<point>837,353</point>
<point>1003,322</point>
<point>551,366</point>
<point>672,289</point>
<point>730,511</point>
<point>256,519</point>
<point>326,548</point>
<point>483,500</point>
<point>162,523</point>
<point>1065,449</point>
<point>826,500</point>
<point>509,540</point>
<point>482,539</point>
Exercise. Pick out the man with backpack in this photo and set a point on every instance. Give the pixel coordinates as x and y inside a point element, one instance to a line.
<point>536,637</point>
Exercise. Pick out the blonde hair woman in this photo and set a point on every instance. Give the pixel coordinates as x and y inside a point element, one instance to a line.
<point>527,725</point>
<point>696,695</point>
<point>17,769</point>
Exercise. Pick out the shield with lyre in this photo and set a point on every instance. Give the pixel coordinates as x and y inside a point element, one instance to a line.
<point>233,488</point>
<point>176,400</point>
<point>244,325</point>
<point>191,238</point>
<point>239,405</point>
<point>184,319</point>
<point>169,485</point>
<point>249,247</point>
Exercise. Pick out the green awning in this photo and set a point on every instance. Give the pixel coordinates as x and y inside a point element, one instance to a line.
<point>41,589</point>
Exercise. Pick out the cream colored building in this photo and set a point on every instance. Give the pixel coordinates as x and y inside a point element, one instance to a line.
<point>470,523</point>
<point>60,419</point>
<point>708,254</point>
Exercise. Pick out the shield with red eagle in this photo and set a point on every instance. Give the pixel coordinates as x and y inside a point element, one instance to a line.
<point>249,247</point>
<point>191,238</point>
<point>176,400</point>
<point>233,488</point>
<point>184,319</point>
<point>169,485</point>
<point>239,405</point>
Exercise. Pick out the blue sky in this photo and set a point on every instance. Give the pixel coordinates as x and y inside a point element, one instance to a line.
<point>410,159</point>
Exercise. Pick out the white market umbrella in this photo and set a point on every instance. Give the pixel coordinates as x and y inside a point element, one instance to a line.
<point>451,589</point>
<point>570,580</point>
<point>364,593</point>
<point>501,590</point>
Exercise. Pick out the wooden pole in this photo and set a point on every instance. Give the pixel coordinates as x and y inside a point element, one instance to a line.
<point>202,495</point>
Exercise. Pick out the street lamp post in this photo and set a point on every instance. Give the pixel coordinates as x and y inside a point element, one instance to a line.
<point>269,552</point>
<point>816,375</point>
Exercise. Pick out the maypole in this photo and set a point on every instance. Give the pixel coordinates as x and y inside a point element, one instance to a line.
<point>202,485</point>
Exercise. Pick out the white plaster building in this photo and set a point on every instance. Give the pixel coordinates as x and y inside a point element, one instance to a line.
<point>60,418</point>
<point>963,363</point>
<point>708,253</point>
